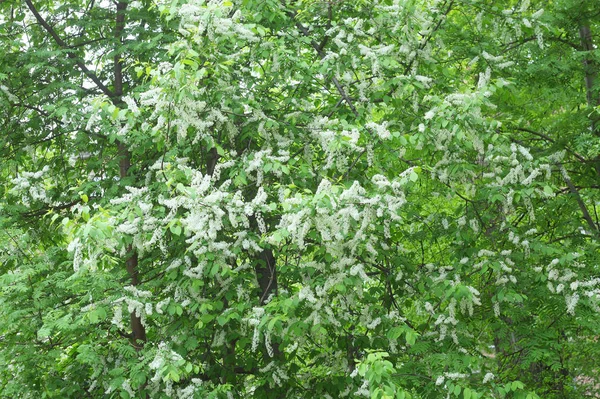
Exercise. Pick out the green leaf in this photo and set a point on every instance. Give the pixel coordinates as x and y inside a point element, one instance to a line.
<point>413,176</point>
<point>457,390</point>
<point>411,336</point>
<point>44,332</point>
<point>395,332</point>
<point>517,385</point>
<point>175,229</point>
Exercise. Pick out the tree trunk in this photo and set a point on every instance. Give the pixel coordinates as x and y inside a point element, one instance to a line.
<point>590,70</point>
<point>138,331</point>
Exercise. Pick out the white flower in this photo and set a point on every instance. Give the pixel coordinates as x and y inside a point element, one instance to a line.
<point>8,94</point>
<point>537,14</point>
<point>571,303</point>
<point>380,129</point>
<point>488,377</point>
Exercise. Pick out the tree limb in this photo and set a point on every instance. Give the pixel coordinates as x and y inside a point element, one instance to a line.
<point>64,46</point>
<point>586,214</point>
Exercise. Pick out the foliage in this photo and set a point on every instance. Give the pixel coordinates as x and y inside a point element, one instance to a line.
<point>268,199</point>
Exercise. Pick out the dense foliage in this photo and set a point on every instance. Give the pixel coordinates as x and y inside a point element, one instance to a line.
<point>296,199</point>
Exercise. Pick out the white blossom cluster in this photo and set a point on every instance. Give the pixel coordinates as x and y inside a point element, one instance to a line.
<point>30,186</point>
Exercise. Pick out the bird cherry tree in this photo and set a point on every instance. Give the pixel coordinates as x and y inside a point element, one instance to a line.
<point>273,199</point>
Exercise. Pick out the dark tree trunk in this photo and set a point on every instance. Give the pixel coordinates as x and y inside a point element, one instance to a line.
<point>138,331</point>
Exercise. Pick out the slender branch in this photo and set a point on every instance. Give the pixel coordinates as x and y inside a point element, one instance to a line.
<point>549,139</point>
<point>354,163</point>
<point>64,46</point>
<point>586,214</point>
<point>43,211</point>
<point>517,43</point>
<point>14,240</point>
<point>86,43</point>
<point>55,120</point>
<point>319,49</point>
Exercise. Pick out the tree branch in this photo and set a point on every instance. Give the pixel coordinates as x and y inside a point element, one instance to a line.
<point>64,46</point>
<point>549,139</point>
<point>586,214</point>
